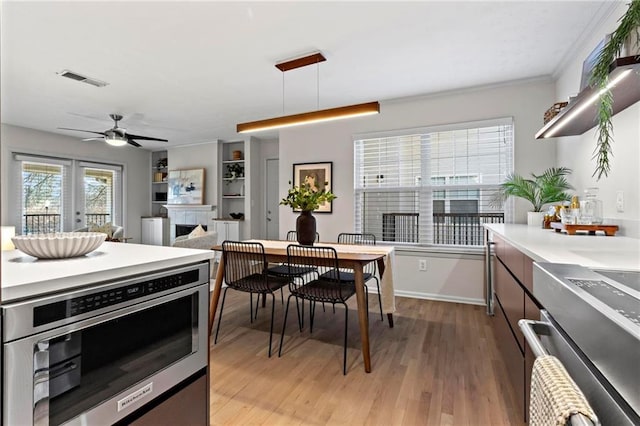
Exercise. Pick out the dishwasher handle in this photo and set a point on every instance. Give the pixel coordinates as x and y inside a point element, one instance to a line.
<point>531,330</point>
<point>488,264</point>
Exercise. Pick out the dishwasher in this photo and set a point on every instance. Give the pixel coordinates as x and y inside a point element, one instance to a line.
<point>591,323</point>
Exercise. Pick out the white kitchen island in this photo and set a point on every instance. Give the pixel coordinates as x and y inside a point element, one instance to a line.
<point>24,276</point>
<point>592,251</point>
<point>117,335</point>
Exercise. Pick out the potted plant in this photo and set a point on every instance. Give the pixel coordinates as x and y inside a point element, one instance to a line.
<point>549,187</point>
<point>306,199</point>
<point>234,171</point>
<point>629,25</point>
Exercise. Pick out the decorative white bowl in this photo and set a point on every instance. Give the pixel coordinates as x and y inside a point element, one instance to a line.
<point>60,245</point>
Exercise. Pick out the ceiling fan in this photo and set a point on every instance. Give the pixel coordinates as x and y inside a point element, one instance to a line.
<point>116,136</point>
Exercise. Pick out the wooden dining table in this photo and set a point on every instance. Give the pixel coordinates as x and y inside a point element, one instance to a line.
<point>349,256</point>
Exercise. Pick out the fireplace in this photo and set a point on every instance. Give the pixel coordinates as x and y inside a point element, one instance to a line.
<point>185,217</point>
<point>186,229</point>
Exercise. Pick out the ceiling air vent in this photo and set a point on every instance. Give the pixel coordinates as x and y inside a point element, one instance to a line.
<point>75,76</point>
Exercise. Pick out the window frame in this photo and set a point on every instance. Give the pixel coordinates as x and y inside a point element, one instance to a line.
<point>427,220</point>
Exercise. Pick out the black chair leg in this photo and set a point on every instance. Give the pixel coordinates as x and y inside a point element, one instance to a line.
<point>284,324</point>
<point>224,296</point>
<point>282,296</point>
<point>257,302</point>
<point>264,301</point>
<point>312,311</point>
<point>346,323</point>
<point>298,310</point>
<point>273,310</point>
<point>251,307</point>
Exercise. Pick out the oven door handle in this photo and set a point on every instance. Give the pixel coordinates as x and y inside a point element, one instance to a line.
<point>531,330</point>
<point>41,384</point>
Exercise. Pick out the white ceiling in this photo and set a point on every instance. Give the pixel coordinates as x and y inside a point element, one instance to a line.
<point>190,71</point>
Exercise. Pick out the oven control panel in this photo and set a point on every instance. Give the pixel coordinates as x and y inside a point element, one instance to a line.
<point>51,312</point>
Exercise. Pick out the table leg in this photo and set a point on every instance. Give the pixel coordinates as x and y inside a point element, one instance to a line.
<point>362,316</point>
<point>381,272</point>
<point>213,307</point>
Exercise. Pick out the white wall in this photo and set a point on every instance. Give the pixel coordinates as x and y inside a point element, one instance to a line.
<point>450,276</point>
<point>136,162</point>
<point>576,151</point>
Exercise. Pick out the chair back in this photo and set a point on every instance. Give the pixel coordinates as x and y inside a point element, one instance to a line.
<point>359,239</point>
<point>322,259</point>
<point>245,266</point>
<point>293,236</point>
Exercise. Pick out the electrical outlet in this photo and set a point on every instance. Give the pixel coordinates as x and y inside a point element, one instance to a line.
<point>620,201</point>
<point>422,265</point>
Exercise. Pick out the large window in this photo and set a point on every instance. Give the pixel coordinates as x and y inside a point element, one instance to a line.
<point>63,194</point>
<point>432,186</point>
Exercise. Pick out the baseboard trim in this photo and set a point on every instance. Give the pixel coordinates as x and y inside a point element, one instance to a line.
<point>441,297</point>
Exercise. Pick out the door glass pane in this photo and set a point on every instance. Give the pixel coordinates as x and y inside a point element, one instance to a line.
<point>42,195</point>
<point>98,196</point>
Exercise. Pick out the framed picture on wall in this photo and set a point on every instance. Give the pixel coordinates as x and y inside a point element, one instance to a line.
<point>185,186</point>
<point>318,176</point>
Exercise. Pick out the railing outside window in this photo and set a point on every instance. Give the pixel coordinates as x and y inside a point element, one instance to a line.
<point>97,218</point>
<point>41,223</point>
<point>462,228</point>
<point>448,228</point>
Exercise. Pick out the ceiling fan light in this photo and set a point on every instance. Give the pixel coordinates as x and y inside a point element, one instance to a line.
<point>115,140</point>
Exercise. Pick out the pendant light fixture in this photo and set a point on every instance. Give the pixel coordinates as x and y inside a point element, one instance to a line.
<point>312,116</point>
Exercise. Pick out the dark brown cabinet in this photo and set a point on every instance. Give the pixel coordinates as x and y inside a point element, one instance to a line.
<point>513,284</point>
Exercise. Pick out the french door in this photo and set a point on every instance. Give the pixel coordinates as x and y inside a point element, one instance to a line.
<point>64,194</point>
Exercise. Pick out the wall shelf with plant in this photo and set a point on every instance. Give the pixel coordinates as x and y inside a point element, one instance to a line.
<point>614,84</point>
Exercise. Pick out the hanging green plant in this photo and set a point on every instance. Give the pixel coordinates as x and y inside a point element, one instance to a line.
<point>629,24</point>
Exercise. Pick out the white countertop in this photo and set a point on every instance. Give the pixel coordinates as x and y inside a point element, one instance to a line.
<point>24,276</point>
<point>591,251</point>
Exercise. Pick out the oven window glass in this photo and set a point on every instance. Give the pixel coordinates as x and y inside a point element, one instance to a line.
<point>92,365</point>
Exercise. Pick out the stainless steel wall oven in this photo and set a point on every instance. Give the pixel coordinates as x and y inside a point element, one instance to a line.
<point>99,355</point>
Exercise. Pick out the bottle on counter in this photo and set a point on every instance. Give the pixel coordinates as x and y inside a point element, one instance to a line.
<point>575,202</point>
<point>591,208</point>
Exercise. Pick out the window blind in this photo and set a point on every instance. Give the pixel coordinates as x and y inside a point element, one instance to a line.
<point>432,186</point>
<point>102,193</point>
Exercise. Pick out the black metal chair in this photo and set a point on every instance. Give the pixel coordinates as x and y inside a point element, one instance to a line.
<point>370,270</point>
<point>296,271</point>
<point>245,269</point>
<point>318,289</point>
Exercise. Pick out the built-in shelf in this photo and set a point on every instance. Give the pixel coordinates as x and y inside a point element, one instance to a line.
<point>233,196</point>
<point>232,161</point>
<point>232,179</point>
<point>158,183</point>
<point>581,114</point>
<point>159,202</point>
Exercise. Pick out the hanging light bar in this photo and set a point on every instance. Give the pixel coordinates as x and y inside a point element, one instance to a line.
<point>312,116</point>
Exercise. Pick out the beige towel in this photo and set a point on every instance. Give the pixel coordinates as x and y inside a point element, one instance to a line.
<point>554,395</point>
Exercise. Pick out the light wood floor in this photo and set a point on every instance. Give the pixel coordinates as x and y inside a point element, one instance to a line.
<point>437,366</point>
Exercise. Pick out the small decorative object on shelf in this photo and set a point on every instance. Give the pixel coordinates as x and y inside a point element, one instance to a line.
<point>162,163</point>
<point>236,155</point>
<point>553,111</point>
<point>234,171</point>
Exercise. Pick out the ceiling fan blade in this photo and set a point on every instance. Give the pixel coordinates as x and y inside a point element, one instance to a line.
<point>145,138</point>
<point>80,130</point>
<point>134,143</point>
<point>92,139</point>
